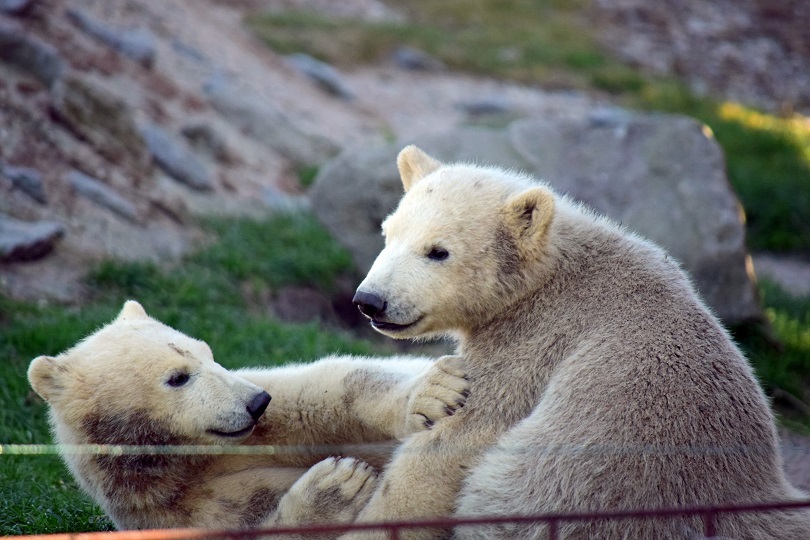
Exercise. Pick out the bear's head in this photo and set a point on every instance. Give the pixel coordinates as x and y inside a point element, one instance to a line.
<point>462,244</point>
<point>137,381</point>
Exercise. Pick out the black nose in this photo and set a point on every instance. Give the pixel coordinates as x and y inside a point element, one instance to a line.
<point>369,304</point>
<point>258,404</point>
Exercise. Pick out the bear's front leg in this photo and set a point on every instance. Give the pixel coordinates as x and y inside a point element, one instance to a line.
<point>332,491</point>
<point>424,479</point>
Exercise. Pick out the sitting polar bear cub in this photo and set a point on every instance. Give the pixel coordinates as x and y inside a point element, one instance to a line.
<point>599,380</point>
<point>139,382</point>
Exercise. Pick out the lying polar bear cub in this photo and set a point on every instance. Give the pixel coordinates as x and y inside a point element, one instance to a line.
<point>138,382</point>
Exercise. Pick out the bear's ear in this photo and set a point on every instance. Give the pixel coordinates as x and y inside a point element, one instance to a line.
<point>528,215</point>
<point>414,164</point>
<point>132,310</point>
<point>46,375</point>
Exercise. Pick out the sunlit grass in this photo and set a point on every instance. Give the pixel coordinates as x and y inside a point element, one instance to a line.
<point>784,366</point>
<point>795,127</point>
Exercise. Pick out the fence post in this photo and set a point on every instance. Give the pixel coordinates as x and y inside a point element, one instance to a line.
<point>708,523</point>
<point>552,529</point>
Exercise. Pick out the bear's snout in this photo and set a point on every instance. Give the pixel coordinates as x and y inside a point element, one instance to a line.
<point>258,405</point>
<point>369,304</point>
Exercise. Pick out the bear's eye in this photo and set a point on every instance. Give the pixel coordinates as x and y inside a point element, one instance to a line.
<point>178,379</point>
<point>438,254</point>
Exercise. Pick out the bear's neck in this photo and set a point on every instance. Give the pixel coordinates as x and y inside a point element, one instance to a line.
<point>547,307</point>
<point>137,490</point>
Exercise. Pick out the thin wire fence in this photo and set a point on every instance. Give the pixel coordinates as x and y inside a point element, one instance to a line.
<point>350,449</point>
<point>708,514</point>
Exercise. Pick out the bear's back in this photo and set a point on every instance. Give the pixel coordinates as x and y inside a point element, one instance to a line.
<point>625,392</point>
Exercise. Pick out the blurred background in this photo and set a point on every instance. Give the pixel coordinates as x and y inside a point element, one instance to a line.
<point>228,163</point>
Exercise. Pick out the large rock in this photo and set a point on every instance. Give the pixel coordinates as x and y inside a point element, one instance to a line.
<point>22,241</point>
<point>138,43</point>
<point>263,122</point>
<point>322,74</point>
<point>16,7</point>
<point>179,161</point>
<point>29,54</point>
<point>27,180</point>
<point>659,175</point>
<point>102,118</point>
<point>102,195</point>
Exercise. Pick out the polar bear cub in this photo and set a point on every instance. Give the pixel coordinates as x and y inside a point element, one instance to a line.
<point>139,382</point>
<point>599,380</point>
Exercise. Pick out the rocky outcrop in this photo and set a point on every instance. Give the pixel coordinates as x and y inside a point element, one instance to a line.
<point>100,117</point>
<point>661,176</point>
<point>16,7</point>
<point>102,195</point>
<point>27,180</point>
<point>412,58</point>
<point>753,51</point>
<point>22,241</point>
<point>177,159</point>
<point>29,54</point>
<point>267,124</point>
<point>324,75</point>
<point>137,44</point>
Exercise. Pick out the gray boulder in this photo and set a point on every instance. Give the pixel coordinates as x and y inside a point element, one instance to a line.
<point>179,161</point>
<point>27,180</point>
<point>100,117</point>
<point>102,195</point>
<point>266,124</point>
<point>482,106</point>
<point>29,54</point>
<point>414,59</point>
<point>16,7</point>
<point>321,73</point>
<point>22,241</point>
<point>204,138</point>
<point>658,175</point>
<point>138,44</point>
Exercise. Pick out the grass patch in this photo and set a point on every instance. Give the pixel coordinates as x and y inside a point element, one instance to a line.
<point>202,296</point>
<point>784,368</point>
<point>307,175</point>
<point>501,38</point>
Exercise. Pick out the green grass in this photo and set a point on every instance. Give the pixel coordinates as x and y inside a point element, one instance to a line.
<point>551,43</point>
<point>500,38</point>
<point>306,175</point>
<point>783,367</point>
<point>204,296</point>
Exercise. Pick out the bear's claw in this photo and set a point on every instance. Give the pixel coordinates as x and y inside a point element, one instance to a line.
<point>442,393</point>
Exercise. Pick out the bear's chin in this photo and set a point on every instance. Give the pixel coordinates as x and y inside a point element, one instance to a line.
<point>239,434</point>
<point>394,330</point>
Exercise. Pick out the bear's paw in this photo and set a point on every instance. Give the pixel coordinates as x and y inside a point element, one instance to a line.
<point>442,393</point>
<point>332,491</point>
